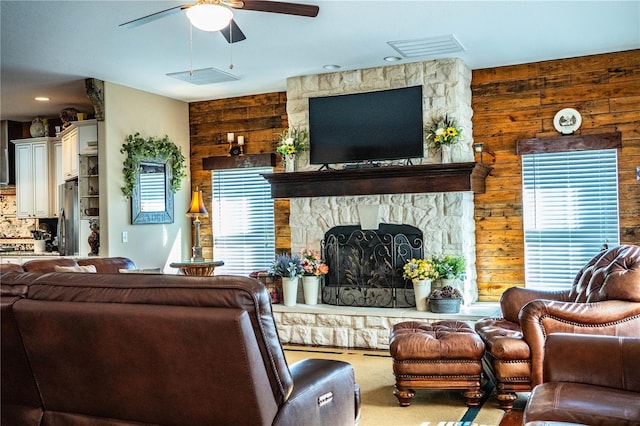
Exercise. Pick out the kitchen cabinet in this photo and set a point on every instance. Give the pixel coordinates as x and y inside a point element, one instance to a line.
<point>33,190</point>
<point>89,186</point>
<point>80,136</point>
<point>57,177</point>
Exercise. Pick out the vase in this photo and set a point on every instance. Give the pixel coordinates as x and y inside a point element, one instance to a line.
<point>311,289</point>
<point>289,290</point>
<point>37,128</point>
<point>422,289</point>
<point>445,154</point>
<point>445,306</point>
<point>39,246</point>
<point>290,163</point>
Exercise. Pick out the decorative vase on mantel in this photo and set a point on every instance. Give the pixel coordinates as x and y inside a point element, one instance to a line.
<point>311,289</point>
<point>422,289</point>
<point>445,154</point>
<point>289,290</point>
<point>290,163</point>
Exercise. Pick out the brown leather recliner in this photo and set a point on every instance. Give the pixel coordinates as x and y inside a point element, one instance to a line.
<point>604,299</point>
<point>130,349</point>
<point>588,379</point>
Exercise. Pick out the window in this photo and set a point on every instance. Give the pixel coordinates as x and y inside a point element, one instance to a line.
<point>243,225</point>
<point>570,209</point>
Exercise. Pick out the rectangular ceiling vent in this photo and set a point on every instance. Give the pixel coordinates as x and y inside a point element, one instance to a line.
<point>431,46</point>
<point>204,76</point>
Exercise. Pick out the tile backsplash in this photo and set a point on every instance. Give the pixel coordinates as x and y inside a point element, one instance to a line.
<point>10,226</point>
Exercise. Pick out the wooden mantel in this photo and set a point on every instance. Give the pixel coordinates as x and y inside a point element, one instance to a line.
<point>452,177</point>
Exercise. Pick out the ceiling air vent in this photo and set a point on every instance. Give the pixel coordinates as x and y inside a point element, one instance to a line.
<point>432,46</point>
<point>204,76</point>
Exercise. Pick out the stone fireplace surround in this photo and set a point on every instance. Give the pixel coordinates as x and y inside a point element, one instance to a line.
<point>446,219</point>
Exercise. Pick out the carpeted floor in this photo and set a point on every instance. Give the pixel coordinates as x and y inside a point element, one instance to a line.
<point>374,374</point>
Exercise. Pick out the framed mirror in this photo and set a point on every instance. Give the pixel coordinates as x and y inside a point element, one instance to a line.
<point>152,197</point>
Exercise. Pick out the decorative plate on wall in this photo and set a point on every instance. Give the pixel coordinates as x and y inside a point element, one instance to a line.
<point>567,121</point>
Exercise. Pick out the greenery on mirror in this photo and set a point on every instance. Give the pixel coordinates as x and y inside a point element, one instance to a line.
<point>139,149</point>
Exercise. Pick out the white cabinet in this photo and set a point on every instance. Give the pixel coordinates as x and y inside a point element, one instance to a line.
<point>70,154</point>
<point>57,177</point>
<point>77,138</point>
<point>33,191</point>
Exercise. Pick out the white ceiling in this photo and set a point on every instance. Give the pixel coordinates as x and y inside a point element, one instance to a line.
<point>48,48</point>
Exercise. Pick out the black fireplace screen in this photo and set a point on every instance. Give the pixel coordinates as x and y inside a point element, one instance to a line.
<point>365,266</point>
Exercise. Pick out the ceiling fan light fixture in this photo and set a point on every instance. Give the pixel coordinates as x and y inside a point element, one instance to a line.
<point>209,17</point>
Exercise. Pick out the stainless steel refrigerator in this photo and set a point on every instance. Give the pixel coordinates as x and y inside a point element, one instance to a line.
<point>69,219</point>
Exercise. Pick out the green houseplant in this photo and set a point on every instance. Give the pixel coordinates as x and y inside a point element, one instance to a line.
<point>138,148</point>
<point>450,267</point>
<point>290,269</point>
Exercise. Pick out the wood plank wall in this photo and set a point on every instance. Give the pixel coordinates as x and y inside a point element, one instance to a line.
<point>509,103</point>
<point>260,119</point>
<point>518,102</point>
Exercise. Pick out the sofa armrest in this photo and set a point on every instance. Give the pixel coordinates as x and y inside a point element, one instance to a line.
<point>609,361</point>
<point>324,393</point>
<point>514,298</point>
<point>540,318</point>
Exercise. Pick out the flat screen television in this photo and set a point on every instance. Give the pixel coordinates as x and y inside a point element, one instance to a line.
<point>371,126</point>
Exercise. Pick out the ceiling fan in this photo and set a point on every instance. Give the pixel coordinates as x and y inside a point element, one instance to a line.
<point>216,15</point>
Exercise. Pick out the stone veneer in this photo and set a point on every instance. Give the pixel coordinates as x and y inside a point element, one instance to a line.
<point>446,219</point>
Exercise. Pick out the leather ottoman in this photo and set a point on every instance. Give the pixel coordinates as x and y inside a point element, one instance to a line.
<point>438,355</point>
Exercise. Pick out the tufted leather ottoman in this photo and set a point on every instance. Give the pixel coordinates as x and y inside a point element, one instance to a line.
<point>438,355</point>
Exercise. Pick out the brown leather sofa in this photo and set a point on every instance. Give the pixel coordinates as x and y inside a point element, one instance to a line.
<point>129,349</point>
<point>604,299</point>
<point>102,264</point>
<point>588,379</point>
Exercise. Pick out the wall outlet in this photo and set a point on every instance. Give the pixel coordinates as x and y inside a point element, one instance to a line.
<point>125,237</point>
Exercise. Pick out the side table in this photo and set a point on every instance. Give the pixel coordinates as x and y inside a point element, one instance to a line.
<point>200,269</point>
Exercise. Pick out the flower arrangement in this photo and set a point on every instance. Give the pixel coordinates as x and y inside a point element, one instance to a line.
<point>287,266</point>
<point>449,266</point>
<point>419,269</point>
<point>292,141</point>
<point>446,292</point>
<point>312,263</point>
<point>442,131</point>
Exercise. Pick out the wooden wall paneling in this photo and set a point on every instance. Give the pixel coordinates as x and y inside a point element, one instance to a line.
<point>260,119</point>
<point>506,102</point>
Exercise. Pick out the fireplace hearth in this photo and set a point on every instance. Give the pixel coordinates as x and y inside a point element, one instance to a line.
<point>365,266</point>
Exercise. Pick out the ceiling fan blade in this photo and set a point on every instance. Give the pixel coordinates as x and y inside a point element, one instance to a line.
<point>308,10</point>
<point>233,30</point>
<point>154,16</point>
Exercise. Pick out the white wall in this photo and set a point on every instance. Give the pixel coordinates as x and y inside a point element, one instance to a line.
<point>128,111</point>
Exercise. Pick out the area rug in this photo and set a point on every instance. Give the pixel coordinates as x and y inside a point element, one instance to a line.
<point>374,374</point>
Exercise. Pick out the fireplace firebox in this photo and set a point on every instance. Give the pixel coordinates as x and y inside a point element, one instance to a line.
<point>365,266</point>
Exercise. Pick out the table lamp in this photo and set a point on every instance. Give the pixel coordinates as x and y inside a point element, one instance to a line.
<point>196,210</point>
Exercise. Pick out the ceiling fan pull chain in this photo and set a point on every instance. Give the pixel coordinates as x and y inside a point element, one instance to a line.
<point>190,50</point>
<point>231,45</point>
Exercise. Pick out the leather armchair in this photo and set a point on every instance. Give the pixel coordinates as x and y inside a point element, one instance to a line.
<point>588,379</point>
<point>604,299</point>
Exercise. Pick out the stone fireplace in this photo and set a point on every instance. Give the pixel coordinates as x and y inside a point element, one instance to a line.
<point>445,220</point>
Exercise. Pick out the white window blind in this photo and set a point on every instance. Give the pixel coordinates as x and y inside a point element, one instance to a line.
<point>570,209</point>
<point>243,225</point>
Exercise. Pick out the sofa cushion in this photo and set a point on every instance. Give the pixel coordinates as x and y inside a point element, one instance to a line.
<point>86,268</point>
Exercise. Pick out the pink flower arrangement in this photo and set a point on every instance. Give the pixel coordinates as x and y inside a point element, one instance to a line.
<point>312,263</point>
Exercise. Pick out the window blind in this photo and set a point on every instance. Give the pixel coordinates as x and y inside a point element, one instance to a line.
<point>243,222</point>
<point>570,209</point>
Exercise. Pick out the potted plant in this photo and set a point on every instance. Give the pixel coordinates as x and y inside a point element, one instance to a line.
<point>450,269</point>
<point>292,141</point>
<point>441,134</point>
<point>420,272</point>
<point>290,269</point>
<point>445,300</point>
<point>314,267</point>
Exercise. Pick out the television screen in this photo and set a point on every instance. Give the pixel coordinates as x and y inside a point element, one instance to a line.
<point>384,125</point>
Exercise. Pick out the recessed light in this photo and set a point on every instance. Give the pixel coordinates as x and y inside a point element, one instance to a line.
<point>392,58</point>
<point>331,67</point>
<point>42,98</point>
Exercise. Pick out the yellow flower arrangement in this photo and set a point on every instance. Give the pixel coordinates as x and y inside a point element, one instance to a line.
<point>442,131</point>
<point>419,269</point>
<point>292,141</point>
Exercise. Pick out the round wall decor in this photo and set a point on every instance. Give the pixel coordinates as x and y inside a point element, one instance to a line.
<point>567,121</point>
